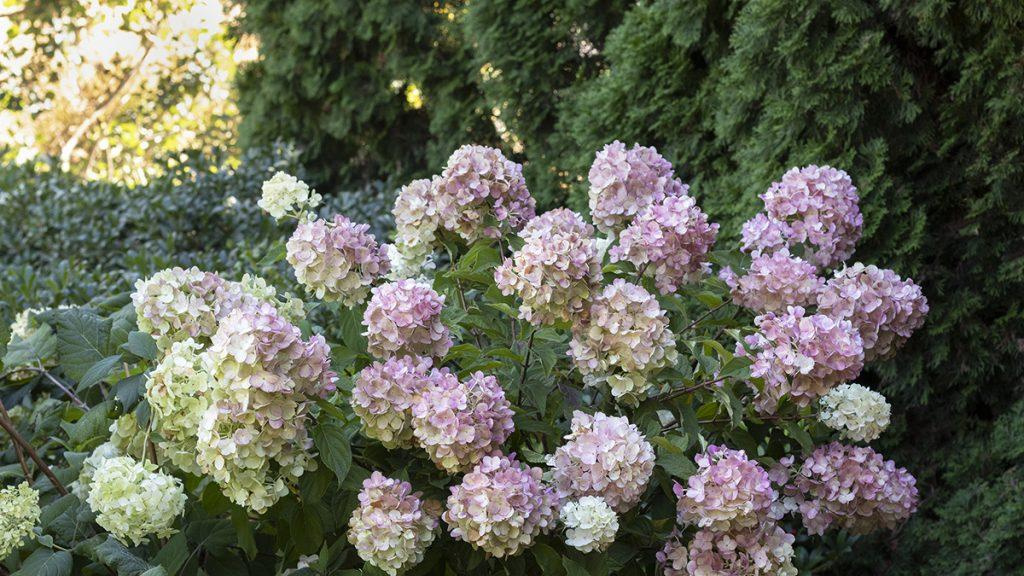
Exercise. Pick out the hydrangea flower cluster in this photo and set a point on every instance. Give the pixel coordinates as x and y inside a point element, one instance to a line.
<point>19,513</point>
<point>815,206</point>
<point>479,190</point>
<point>384,393</point>
<point>500,507</point>
<point>625,338</point>
<point>416,221</point>
<point>337,260</point>
<point>774,282</point>
<point>884,308</point>
<point>458,423</point>
<point>556,270</point>
<point>284,194</point>
<point>603,456</point>
<point>670,242</point>
<point>625,183</point>
<point>253,438</point>
<point>801,355</point>
<point>177,391</point>
<point>404,317</point>
<point>728,491</point>
<point>854,488</point>
<point>857,412</point>
<point>590,524</point>
<point>100,454</point>
<point>133,501</point>
<point>176,304</point>
<point>392,527</point>
<point>762,550</point>
<point>23,326</point>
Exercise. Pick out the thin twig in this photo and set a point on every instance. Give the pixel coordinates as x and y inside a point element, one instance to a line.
<point>688,389</point>
<point>71,395</point>
<point>705,315</point>
<point>526,360</point>
<point>462,300</point>
<point>8,426</point>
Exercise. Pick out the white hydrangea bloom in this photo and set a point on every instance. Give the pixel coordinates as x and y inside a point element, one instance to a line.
<point>590,524</point>
<point>132,500</point>
<point>21,326</point>
<point>103,452</point>
<point>407,263</point>
<point>284,193</point>
<point>857,412</point>
<point>19,513</point>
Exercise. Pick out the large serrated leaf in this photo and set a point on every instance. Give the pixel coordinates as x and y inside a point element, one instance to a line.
<point>46,562</point>
<point>115,555</point>
<point>83,339</point>
<point>40,345</point>
<point>99,371</point>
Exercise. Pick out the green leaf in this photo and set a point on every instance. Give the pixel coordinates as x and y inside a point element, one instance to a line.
<point>99,371</point>
<point>794,431</point>
<point>173,555</point>
<point>276,253</point>
<point>573,568</point>
<point>46,562</point>
<point>83,339</point>
<point>676,463</point>
<point>142,345</point>
<point>115,555</point>
<point>246,540</point>
<point>215,535</point>
<point>335,451</point>
<point>93,424</point>
<point>351,322</point>
<point>550,562</point>
<point>156,571</point>
<point>307,530</point>
<point>39,346</point>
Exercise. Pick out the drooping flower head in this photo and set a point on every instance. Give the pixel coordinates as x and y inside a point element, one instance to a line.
<point>625,338</point>
<point>384,393</point>
<point>177,391</point>
<point>557,269</point>
<point>590,524</point>
<point>479,192</point>
<point>500,507</point>
<point>801,355</point>
<point>176,304</point>
<point>392,527</point>
<point>603,456</point>
<point>404,317</point>
<point>774,282</point>
<point>857,412</point>
<point>337,260</point>
<point>853,488</point>
<point>284,194</point>
<point>670,241</point>
<point>19,514</point>
<point>624,183</point>
<point>759,551</point>
<point>458,423</point>
<point>728,491</point>
<point>883,307</point>
<point>133,501</point>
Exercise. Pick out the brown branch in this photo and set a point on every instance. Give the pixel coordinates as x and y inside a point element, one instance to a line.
<point>8,426</point>
<point>705,315</point>
<point>42,371</point>
<point>687,390</point>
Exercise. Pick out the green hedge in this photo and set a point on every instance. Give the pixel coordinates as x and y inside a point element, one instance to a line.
<point>921,101</point>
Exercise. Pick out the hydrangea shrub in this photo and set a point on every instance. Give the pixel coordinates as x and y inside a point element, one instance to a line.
<point>489,391</point>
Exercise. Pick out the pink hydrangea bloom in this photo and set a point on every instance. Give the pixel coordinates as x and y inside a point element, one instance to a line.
<point>775,282</point>
<point>176,304</point>
<point>392,527</point>
<point>815,206</point>
<point>672,557</point>
<point>670,241</point>
<point>556,270</point>
<point>883,307</point>
<point>763,235</point>
<point>728,491</point>
<point>603,456</point>
<point>457,423</point>
<point>854,488</point>
<point>383,395</point>
<point>404,317</point>
<point>480,190</point>
<point>801,355</point>
<point>757,551</point>
<point>501,506</point>
<point>336,260</point>
<point>624,183</point>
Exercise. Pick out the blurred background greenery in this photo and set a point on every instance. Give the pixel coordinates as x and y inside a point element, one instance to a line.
<point>136,134</point>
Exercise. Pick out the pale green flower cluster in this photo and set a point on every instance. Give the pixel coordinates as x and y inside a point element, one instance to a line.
<point>177,393</point>
<point>283,194</point>
<point>102,453</point>
<point>132,500</point>
<point>19,513</point>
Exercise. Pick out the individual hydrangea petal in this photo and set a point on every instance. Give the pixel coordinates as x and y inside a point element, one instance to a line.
<point>603,456</point>
<point>774,282</point>
<point>758,551</point>
<point>133,501</point>
<point>177,391</point>
<point>458,423</point>
<point>284,194</point>
<point>19,514</point>
<point>883,307</point>
<point>590,524</point>
<point>624,183</point>
<point>728,492</point>
<point>670,242</point>
<point>557,269</point>
<point>853,488</point>
<point>404,317</point>
<point>337,260</point>
<point>801,355</point>
<point>857,412</point>
<point>479,191</point>
<point>500,507</point>
<point>383,396</point>
<point>392,526</point>
<point>624,338</point>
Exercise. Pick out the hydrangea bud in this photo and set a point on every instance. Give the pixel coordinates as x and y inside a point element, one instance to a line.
<point>556,270</point>
<point>19,514</point>
<point>500,507</point>
<point>384,393</point>
<point>603,456</point>
<point>801,355</point>
<point>458,423</point>
<point>132,500</point>
<point>392,527</point>
<point>774,282</point>
<point>624,183</point>
<point>404,317</point>
<point>590,524</point>
<point>177,391</point>
<point>284,194</point>
<point>766,549</point>
<point>857,412</point>
<point>728,491</point>
<point>337,260</point>
<point>883,307</point>
<point>670,242</point>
